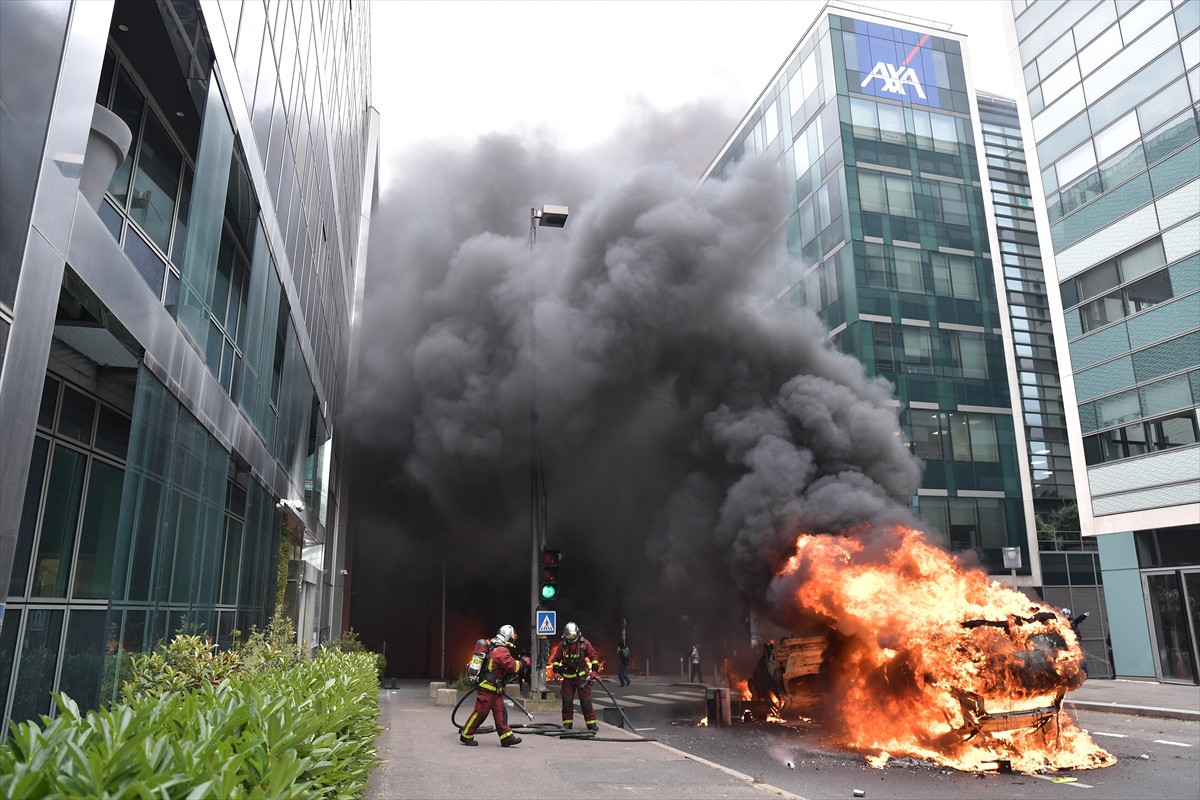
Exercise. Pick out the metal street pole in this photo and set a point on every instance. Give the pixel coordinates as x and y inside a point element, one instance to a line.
<point>552,217</point>
<point>442,673</point>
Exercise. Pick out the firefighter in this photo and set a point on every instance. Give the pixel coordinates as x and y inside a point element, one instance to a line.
<point>498,667</point>
<point>576,663</point>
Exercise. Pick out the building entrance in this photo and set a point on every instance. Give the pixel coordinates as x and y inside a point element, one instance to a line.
<point>1173,598</point>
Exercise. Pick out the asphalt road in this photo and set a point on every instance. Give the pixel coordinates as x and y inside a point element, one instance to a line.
<point>1156,758</point>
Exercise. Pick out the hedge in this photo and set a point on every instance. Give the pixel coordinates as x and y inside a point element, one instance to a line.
<point>305,731</point>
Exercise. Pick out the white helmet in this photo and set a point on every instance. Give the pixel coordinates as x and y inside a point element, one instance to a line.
<point>571,632</point>
<point>507,635</point>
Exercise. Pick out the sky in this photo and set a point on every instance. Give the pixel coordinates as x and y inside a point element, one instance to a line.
<point>575,70</point>
<point>685,435</point>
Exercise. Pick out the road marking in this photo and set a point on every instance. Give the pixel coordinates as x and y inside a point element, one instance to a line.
<point>656,700</point>
<point>645,729</point>
<point>1114,735</point>
<point>1051,780</point>
<point>1177,744</point>
<point>677,696</point>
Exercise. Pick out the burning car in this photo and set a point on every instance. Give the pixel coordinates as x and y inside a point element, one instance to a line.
<point>902,650</point>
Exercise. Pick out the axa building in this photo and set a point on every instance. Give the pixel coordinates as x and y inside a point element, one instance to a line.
<point>904,210</point>
<point>1111,105</point>
<point>187,188</point>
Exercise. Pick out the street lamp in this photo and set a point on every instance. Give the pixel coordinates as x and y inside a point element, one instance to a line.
<point>547,217</point>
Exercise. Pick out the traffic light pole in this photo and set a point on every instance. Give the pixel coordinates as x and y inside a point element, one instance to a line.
<point>537,681</point>
<point>553,217</point>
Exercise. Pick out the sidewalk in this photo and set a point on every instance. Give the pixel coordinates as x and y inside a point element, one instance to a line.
<point>1140,698</point>
<point>421,757</point>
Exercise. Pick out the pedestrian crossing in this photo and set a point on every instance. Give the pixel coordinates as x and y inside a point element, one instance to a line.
<point>657,698</point>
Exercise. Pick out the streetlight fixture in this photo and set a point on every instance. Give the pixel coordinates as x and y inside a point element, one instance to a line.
<point>547,217</point>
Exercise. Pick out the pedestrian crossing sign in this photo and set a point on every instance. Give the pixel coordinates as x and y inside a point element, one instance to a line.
<point>547,625</point>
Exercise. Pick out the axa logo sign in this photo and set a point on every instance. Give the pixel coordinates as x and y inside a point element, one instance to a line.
<point>894,79</point>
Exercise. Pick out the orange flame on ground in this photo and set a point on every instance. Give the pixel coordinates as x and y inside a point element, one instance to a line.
<point>908,678</point>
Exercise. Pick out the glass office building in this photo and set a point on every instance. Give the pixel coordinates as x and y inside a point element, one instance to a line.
<point>187,195</point>
<point>1070,562</point>
<point>1113,91</point>
<point>888,241</point>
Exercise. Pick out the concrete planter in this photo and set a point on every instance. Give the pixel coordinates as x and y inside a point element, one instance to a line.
<point>108,144</point>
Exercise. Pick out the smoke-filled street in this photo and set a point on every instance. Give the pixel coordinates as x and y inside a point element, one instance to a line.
<point>687,434</point>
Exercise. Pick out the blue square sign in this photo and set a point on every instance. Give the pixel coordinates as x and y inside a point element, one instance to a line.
<point>547,625</point>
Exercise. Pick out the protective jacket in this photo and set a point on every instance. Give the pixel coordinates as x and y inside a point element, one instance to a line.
<point>498,668</point>
<point>575,659</point>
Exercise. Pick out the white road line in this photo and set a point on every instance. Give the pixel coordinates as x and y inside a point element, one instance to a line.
<point>1077,785</point>
<point>645,729</point>
<point>624,704</point>
<point>1114,735</point>
<point>677,696</point>
<point>1177,744</point>
<point>644,698</point>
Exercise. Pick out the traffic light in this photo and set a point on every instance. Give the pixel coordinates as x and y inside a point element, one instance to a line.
<point>550,559</point>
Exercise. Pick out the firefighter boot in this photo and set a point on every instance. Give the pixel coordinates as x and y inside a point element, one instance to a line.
<point>566,726</point>
<point>468,742</point>
<point>593,727</point>
<point>510,741</point>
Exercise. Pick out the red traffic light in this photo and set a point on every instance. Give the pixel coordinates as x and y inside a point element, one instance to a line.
<point>550,558</point>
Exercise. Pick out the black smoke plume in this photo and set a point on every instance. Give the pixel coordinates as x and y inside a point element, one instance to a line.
<point>688,428</point>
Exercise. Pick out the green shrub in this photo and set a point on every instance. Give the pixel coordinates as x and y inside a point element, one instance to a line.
<point>350,643</point>
<point>305,731</point>
<point>186,664</point>
<point>464,682</point>
<point>272,648</point>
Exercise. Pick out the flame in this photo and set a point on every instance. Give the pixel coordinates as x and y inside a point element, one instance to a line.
<point>736,685</point>
<point>936,661</point>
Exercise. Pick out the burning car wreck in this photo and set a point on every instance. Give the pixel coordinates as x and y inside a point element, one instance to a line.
<point>790,674</point>
<point>900,650</point>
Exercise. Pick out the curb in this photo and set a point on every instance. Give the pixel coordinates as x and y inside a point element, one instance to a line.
<point>1137,711</point>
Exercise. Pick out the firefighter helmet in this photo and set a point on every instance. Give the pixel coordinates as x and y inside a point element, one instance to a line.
<point>571,632</point>
<point>507,635</point>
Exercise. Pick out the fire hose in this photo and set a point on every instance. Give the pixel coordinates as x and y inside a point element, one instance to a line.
<point>550,728</point>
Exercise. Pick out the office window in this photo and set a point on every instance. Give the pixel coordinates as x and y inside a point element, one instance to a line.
<point>1117,136</point>
<point>960,436</point>
<point>1139,438</point>
<point>917,350</point>
<point>928,441</point>
<point>954,276</point>
<point>982,428</point>
<point>1172,432</point>
<point>909,274</point>
<point>871,191</point>
<point>970,354</point>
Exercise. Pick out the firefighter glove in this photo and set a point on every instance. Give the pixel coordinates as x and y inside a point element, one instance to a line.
<point>525,662</point>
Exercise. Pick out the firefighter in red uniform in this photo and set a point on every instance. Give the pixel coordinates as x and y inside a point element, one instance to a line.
<point>576,662</point>
<point>498,667</point>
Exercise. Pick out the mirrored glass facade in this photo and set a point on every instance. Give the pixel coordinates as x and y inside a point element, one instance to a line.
<point>888,242</point>
<point>176,350</point>
<point>1113,98</point>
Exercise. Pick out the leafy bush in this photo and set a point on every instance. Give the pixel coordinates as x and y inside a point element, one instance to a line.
<point>272,648</point>
<point>464,682</point>
<point>186,664</point>
<point>305,731</point>
<point>350,643</point>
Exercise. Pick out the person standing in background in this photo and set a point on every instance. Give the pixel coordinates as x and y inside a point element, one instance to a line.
<point>695,676</point>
